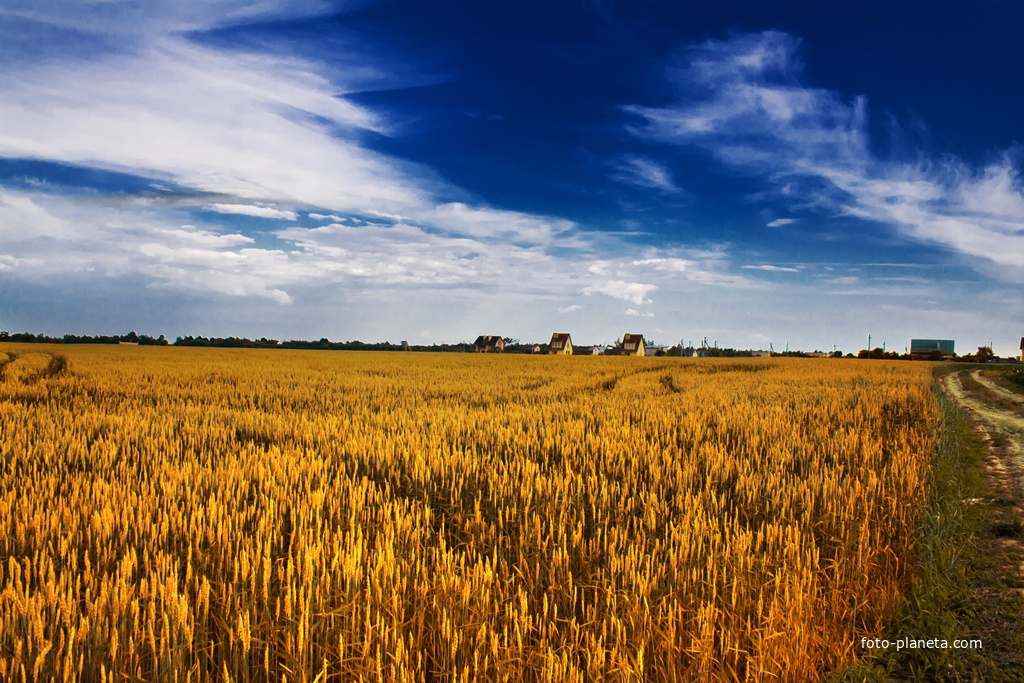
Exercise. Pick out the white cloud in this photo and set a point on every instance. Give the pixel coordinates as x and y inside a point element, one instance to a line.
<point>288,263</point>
<point>490,223</point>
<point>254,210</point>
<point>779,222</point>
<point>742,101</point>
<point>639,314</point>
<point>192,236</point>
<point>706,267</point>
<point>22,218</point>
<point>644,172</point>
<point>11,263</point>
<point>232,272</point>
<point>773,269</point>
<point>256,126</point>
<point>884,293</point>
<point>128,20</point>
<point>635,292</point>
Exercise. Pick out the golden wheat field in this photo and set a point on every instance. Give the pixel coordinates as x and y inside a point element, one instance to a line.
<point>174,514</point>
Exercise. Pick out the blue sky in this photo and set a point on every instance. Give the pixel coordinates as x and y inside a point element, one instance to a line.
<point>755,173</point>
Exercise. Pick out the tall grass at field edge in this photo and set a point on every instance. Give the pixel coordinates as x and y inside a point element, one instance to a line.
<point>938,605</point>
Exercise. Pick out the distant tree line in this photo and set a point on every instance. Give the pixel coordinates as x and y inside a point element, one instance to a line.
<point>984,354</point>
<point>226,342</point>
<point>323,343</point>
<point>130,338</point>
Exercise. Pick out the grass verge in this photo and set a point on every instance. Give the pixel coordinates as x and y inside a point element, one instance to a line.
<point>969,572</point>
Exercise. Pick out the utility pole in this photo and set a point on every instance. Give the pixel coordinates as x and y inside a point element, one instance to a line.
<point>869,341</point>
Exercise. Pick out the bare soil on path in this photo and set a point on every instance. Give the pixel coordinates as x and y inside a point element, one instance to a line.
<point>1006,394</point>
<point>997,565</point>
<point>1001,427</point>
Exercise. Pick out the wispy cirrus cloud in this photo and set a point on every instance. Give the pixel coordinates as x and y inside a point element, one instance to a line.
<point>767,267</point>
<point>255,126</point>
<point>779,222</point>
<point>645,173</point>
<point>255,210</point>
<point>137,21</point>
<point>696,266</point>
<point>743,102</point>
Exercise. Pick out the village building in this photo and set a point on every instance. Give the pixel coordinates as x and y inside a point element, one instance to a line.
<point>632,345</point>
<point>489,343</point>
<point>1022,349</point>
<point>561,344</point>
<point>922,348</point>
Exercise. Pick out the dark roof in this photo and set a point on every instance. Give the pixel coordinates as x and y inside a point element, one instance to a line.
<point>1022,342</point>
<point>558,339</point>
<point>485,340</point>
<point>633,338</point>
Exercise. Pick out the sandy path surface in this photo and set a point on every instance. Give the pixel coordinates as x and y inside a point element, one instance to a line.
<point>1002,593</point>
<point>1006,423</point>
<point>996,389</point>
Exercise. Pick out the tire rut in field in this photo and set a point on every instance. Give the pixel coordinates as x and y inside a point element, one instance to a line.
<point>1005,394</point>
<point>1003,431</point>
<point>1003,422</point>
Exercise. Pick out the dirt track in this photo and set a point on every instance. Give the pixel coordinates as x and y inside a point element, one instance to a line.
<point>996,389</point>
<point>1003,430</point>
<point>996,547</point>
<point>1002,422</point>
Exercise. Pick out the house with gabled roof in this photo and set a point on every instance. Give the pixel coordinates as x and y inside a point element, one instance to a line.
<point>632,345</point>
<point>489,343</point>
<point>561,344</point>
